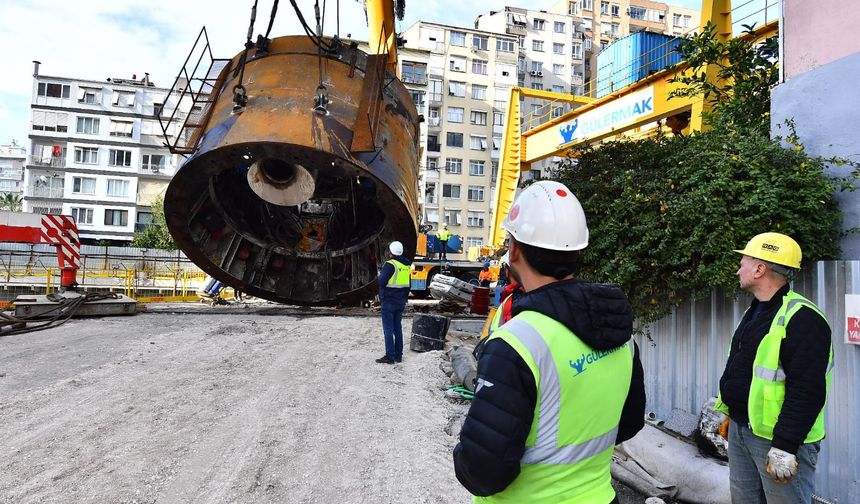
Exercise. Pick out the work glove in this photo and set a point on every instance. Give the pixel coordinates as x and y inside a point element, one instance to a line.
<point>781,465</point>
<point>723,430</point>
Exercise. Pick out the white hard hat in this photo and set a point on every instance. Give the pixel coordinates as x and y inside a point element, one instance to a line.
<point>396,248</point>
<point>547,215</point>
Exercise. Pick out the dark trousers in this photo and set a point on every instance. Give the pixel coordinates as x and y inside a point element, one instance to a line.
<point>392,329</point>
<point>443,253</point>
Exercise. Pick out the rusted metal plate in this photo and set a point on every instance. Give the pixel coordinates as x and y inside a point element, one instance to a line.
<point>325,250</point>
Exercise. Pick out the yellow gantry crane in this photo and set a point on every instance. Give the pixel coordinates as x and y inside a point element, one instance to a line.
<point>593,120</point>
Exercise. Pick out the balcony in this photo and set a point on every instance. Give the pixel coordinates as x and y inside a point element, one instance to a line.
<point>12,173</point>
<point>414,79</point>
<point>434,122</point>
<point>40,191</point>
<point>153,169</point>
<point>53,161</point>
<point>516,29</point>
<point>434,147</point>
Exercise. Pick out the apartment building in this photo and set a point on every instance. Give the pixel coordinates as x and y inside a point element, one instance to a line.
<point>12,160</point>
<point>604,21</point>
<point>469,74</point>
<point>97,153</point>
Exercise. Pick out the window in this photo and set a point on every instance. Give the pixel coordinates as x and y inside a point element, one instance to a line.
<point>432,163</point>
<point>588,5</point>
<point>604,8</point>
<point>537,86</point>
<point>605,27</point>
<point>476,168</point>
<point>558,27</point>
<point>457,64</point>
<point>494,172</point>
<point>83,215</point>
<point>88,126</point>
<point>451,191</point>
<point>537,67</point>
<point>119,158</point>
<point>477,142</point>
<point>474,241</point>
<point>576,51</point>
<point>480,42</point>
<point>455,114</point>
<point>537,45</point>
<point>452,217</point>
<point>536,109</point>
<point>497,142</point>
<point>476,193</point>
<point>435,90</point>
<point>676,20</point>
<point>557,111</point>
<point>603,44</point>
<point>637,12</point>
<point>687,20</point>
<point>454,139</point>
<point>558,48</point>
<point>53,90</point>
<point>479,92</point>
<point>117,188</point>
<point>454,166</point>
<point>417,99</point>
<point>123,98</point>
<point>50,121</point>
<point>587,45</point>
<point>557,69</point>
<point>116,217</point>
<point>153,162</point>
<point>474,218</point>
<point>539,24</point>
<point>558,89</point>
<point>413,72</point>
<point>120,129</point>
<point>458,39</point>
<point>656,15</point>
<point>433,143</point>
<point>588,24</point>
<point>616,9</point>
<point>505,45</point>
<point>505,70</point>
<point>479,67</point>
<point>156,109</point>
<point>616,29</point>
<point>457,89</point>
<point>498,119</point>
<point>87,155</point>
<point>46,210</point>
<point>500,104</point>
<point>83,185</point>
<point>479,118</point>
<point>90,96</point>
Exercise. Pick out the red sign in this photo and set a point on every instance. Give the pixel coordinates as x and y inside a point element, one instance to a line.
<point>853,329</point>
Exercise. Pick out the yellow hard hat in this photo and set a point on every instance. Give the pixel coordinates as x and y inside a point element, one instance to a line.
<point>776,248</point>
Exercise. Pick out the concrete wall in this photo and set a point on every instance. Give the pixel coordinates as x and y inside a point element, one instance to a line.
<point>824,105</point>
<point>818,33</point>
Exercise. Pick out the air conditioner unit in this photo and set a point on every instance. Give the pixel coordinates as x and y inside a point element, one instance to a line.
<point>540,74</point>
<point>533,73</point>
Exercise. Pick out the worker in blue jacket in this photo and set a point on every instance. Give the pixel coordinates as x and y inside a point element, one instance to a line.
<point>393,294</point>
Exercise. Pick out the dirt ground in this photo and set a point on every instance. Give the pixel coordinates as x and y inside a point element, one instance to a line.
<point>223,408</point>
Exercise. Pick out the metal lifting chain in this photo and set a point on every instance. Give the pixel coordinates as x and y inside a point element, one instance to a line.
<point>321,98</point>
<point>240,94</point>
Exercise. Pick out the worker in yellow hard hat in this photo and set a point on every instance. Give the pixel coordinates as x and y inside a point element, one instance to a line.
<point>560,383</point>
<point>774,387</point>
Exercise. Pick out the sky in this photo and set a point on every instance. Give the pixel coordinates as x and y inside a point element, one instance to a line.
<point>97,39</point>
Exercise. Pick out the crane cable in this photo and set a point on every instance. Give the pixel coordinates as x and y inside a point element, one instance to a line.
<point>240,94</point>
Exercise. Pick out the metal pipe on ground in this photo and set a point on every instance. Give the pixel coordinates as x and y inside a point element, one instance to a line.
<point>465,367</point>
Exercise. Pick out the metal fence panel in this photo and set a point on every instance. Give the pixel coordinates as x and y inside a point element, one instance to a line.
<point>686,356</point>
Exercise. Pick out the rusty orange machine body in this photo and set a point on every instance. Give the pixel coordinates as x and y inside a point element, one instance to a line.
<point>284,201</point>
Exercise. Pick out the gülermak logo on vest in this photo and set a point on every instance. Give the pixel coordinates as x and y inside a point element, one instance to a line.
<point>581,364</point>
<point>607,117</point>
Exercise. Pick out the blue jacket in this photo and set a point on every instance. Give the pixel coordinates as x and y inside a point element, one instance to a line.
<point>387,295</point>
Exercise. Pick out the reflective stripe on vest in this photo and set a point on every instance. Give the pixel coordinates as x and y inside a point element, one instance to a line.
<point>571,437</point>
<point>400,278</point>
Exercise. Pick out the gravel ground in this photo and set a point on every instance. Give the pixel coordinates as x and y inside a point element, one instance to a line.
<point>232,408</point>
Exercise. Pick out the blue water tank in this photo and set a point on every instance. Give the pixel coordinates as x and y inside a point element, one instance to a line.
<point>632,58</point>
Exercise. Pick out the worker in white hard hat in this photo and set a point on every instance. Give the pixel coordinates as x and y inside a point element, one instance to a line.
<point>560,383</point>
<point>393,294</point>
<point>774,387</point>
<point>443,235</point>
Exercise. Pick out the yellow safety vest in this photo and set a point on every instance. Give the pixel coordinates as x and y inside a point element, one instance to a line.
<point>400,278</point>
<point>443,235</point>
<point>581,392</point>
<point>767,390</point>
